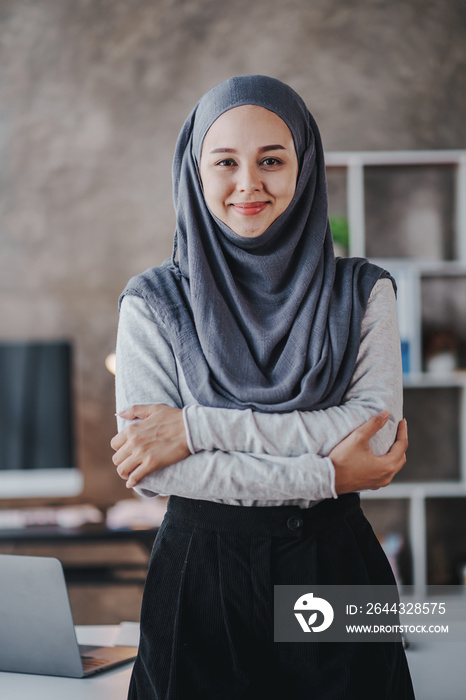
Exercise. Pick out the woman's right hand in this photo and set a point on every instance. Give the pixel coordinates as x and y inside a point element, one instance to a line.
<point>155,440</point>
<point>356,466</point>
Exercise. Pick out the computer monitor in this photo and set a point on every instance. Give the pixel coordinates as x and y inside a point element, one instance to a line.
<point>37,455</point>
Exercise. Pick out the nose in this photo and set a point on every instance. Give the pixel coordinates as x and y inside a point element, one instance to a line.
<point>248,178</point>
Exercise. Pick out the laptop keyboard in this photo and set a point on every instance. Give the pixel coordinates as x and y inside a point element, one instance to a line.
<point>92,662</point>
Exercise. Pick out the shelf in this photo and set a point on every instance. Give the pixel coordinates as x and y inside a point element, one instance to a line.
<point>424,267</point>
<point>427,489</point>
<point>440,268</point>
<point>343,159</point>
<point>421,240</point>
<point>426,380</point>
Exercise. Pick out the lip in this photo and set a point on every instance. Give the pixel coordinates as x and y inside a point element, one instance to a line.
<point>249,208</point>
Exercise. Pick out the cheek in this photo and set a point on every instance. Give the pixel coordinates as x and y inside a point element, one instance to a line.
<point>291,190</point>
<point>288,190</point>
<point>215,191</point>
<point>292,181</point>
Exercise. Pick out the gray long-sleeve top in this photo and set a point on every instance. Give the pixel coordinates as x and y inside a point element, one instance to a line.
<point>243,457</point>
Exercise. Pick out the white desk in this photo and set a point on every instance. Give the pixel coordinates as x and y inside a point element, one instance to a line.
<point>109,685</point>
<point>438,671</point>
<point>438,667</point>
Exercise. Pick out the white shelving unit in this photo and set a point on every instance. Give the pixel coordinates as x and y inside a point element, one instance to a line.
<point>354,163</point>
<point>415,493</point>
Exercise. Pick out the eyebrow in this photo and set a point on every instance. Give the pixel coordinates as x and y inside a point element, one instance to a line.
<point>263,149</point>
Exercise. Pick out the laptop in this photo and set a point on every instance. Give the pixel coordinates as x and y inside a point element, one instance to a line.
<point>37,632</point>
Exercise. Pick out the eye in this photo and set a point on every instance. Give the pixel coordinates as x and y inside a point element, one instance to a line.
<point>270,162</point>
<point>226,162</point>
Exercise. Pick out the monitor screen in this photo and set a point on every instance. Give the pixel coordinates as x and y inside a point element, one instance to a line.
<point>37,457</point>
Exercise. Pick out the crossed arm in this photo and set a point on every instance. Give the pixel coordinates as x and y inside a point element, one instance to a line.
<point>159,440</point>
<point>310,458</point>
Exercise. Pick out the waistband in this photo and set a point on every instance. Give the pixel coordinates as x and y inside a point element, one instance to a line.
<point>275,521</point>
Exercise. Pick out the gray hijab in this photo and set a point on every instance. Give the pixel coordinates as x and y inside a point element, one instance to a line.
<point>271,323</point>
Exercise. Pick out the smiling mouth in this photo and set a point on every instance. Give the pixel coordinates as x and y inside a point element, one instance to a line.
<point>250,208</point>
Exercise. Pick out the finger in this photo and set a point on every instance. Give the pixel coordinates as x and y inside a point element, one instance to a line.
<point>140,411</point>
<point>120,455</point>
<point>138,474</point>
<point>401,444</point>
<point>125,443</point>
<point>395,459</point>
<point>373,425</point>
<point>127,466</point>
<point>402,432</point>
<point>133,479</point>
<point>118,440</point>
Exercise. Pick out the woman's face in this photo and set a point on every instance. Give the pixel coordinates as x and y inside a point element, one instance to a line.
<point>248,169</point>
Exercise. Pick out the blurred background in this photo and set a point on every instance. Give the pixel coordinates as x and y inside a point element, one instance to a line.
<point>92,96</point>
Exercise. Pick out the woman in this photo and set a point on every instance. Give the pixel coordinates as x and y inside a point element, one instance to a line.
<point>262,377</point>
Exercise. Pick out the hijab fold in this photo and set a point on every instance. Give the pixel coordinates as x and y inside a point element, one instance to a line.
<point>271,323</point>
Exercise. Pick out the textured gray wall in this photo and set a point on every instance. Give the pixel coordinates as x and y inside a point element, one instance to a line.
<point>92,95</point>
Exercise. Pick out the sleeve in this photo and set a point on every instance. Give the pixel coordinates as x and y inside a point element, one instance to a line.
<point>147,373</point>
<point>376,385</point>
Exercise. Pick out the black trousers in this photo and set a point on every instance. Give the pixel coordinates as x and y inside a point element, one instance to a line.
<point>207,613</point>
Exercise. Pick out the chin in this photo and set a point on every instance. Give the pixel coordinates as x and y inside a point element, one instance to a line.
<point>250,234</point>
<point>249,231</point>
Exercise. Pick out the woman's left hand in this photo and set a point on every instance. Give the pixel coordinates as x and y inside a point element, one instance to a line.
<point>156,440</point>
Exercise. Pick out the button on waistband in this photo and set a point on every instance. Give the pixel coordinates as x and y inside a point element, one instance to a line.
<point>294,523</point>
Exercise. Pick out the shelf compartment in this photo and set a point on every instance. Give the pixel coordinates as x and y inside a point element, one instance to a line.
<point>444,312</point>
<point>409,212</point>
<point>433,415</point>
<point>387,517</point>
<point>446,540</point>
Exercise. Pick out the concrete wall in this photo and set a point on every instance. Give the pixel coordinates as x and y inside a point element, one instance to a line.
<point>92,95</point>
